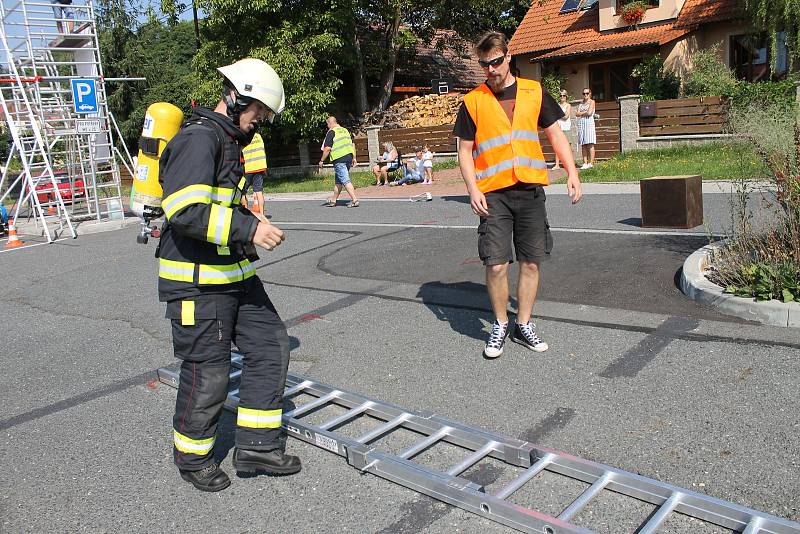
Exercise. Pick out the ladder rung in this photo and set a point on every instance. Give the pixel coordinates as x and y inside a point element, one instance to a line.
<point>304,409</point>
<point>663,511</point>
<point>473,459</point>
<point>384,428</point>
<point>584,498</point>
<point>336,421</point>
<point>529,473</point>
<point>420,446</point>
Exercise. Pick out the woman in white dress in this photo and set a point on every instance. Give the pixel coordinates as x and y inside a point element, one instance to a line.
<point>566,121</point>
<point>586,132</point>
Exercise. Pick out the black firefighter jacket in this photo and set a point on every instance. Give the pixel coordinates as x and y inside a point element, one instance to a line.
<point>202,246</point>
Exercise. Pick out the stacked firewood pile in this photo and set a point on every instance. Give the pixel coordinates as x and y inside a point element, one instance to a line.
<point>427,110</point>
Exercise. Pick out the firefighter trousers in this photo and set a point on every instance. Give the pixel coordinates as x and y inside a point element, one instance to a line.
<point>203,329</point>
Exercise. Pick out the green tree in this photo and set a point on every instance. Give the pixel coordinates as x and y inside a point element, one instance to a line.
<point>774,17</point>
<point>159,52</point>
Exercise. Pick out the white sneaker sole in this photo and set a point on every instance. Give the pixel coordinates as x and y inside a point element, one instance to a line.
<point>494,354</point>
<point>541,347</point>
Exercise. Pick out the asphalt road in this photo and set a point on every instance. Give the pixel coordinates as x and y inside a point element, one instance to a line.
<point>388,300</point>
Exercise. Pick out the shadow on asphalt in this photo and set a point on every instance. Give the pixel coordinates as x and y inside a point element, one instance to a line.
<point>632,221</point>
<point>470,294</point>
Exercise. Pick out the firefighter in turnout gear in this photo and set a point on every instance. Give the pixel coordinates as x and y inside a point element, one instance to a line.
<point>213,295</point>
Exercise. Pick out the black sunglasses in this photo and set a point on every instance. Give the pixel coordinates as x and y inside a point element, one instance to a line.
<point>496,62</point>
<point>586,93</point>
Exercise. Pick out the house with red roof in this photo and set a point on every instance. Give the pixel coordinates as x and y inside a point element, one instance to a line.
<point>592,45</point>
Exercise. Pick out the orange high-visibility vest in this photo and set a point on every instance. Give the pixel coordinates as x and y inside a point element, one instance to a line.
<point>506,153</point>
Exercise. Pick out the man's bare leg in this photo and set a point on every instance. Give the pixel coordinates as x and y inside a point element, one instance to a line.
<point>497,287</point>
<point>527,288</point>
<point>351,191</point>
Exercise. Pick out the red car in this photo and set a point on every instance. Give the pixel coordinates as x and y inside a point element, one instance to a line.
<point>69,191</point>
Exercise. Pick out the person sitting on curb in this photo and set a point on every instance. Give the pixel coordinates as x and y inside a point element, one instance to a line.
<point>412,171</point>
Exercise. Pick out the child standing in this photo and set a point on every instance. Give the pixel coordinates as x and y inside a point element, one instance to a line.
<point>427,159</point>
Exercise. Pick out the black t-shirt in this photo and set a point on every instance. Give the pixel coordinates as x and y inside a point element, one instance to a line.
<point>549,113</point>
<point>347,158</point>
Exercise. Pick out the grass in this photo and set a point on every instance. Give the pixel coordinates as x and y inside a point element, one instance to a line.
<point>714,161</point>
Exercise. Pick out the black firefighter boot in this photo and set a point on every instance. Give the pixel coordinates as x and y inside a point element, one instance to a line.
<point>274,462</point>
<point>210,478</point>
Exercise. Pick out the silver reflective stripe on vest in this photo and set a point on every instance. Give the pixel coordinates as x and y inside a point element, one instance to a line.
<point>525,134</point>
<point>489,144</point>
<point>510,164</point>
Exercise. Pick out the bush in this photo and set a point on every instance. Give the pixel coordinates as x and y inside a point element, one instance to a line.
<point>654,82</point>
<point>552,82</point>
<point>765,263</point>
<point>781,94</point>
<point>709,76</point>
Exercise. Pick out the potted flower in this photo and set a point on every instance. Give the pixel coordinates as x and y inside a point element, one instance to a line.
<point>633,12</point>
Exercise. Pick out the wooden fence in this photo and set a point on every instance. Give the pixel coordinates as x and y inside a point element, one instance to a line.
<point>685,116</point>
<point>440,139</point>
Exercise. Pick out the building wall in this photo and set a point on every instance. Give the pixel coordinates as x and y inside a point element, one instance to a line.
<point>678,54</point>
<point>609,20</point>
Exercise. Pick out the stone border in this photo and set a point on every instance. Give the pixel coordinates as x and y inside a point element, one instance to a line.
<point>696,286</point>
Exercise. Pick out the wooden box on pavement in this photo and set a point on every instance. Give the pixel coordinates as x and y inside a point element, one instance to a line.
<point>672,201</point>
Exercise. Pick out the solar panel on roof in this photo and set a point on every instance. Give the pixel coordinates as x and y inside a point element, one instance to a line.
<point>570,5</point>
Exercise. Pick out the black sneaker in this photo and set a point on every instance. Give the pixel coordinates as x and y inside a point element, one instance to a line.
<point>275,462</point>
<point>210,478</point>
<point>494,346</point>
<point>525,335</point>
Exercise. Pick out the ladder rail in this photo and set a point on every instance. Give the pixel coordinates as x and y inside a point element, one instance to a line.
<point>450,487</point>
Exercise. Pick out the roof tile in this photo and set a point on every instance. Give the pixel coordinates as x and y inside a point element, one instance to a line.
<point>545,30</point>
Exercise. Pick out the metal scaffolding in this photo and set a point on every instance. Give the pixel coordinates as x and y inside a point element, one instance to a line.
<point>53,97</point>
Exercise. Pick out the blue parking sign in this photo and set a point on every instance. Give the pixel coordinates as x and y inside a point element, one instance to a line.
<point>84,95</point>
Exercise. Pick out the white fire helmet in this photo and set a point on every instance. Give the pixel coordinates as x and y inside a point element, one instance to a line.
<point>253,78</point>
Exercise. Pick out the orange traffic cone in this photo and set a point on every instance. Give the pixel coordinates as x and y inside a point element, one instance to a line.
<point>51,209</point>
<point>13,240</point>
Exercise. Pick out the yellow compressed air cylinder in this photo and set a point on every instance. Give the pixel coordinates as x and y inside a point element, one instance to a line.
<point>161,122</point>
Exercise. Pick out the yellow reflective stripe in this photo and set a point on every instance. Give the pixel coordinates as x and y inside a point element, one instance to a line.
<point>251,418</point>
<point>219,225</point>
<point>180,271</point>
<point>187,313</point>
<point>224,251</point>
<point>241,183</point>
<point>248,269</point>
<point>193,194</point>
<point>226,274</point>
<point>223,195</point>
<point>201,447</point>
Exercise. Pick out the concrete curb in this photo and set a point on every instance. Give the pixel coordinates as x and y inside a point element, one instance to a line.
<point>696,286</point>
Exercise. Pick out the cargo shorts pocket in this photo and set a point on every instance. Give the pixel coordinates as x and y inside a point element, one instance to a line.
<point>548,237</point>
<point>483,239</point>
<point>198,334</point>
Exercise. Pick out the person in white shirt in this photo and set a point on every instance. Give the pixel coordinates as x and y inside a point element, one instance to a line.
<point>427,161</point>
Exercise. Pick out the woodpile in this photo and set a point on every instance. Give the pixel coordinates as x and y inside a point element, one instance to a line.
<point>427,110</point>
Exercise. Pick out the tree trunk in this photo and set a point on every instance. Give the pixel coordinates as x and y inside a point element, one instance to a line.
<point>387,77</point>
<point>359,81</point>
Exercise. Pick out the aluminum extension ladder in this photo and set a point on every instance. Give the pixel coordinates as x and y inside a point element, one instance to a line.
<point>364,454</point>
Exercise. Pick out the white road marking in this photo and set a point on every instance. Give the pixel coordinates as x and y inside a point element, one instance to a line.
<point>473,227</point>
